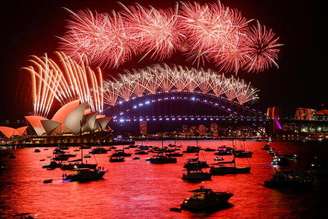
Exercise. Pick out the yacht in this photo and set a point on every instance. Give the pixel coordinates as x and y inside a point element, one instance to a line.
<point>192,149</point>
<point>196,175</point>
<point>243,153</point>
<point>85,175</point>
<point>205,199</point>
<point>289,180</point>
<point>224,150</point>
<point>195,163</point>
<point>162,159</point>
<point>98,151</point>
<point>228,167</point>
<point>116,158</point>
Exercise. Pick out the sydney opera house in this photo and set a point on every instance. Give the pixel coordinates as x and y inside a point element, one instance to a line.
<point>72,119</point>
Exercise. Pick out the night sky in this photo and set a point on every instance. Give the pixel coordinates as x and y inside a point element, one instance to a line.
<point>31,26</point>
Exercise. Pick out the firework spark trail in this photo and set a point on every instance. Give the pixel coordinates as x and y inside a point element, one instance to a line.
<point>155,31</point>
<point>216,33</point>
<point>209,32</point>
<point>262,48</point>
<point>100,36</point>
<point>163,78</point>
<point>64,82</point>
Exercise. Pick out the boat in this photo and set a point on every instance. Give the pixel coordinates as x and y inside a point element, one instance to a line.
<point>47,181</point>
<point>58,151</point>
<point>63,157</point>
<point>98,151</point>
<point>132,146</point>
<point>136,158</point>
<point>24,216</point>
<point>228,167</point>
<point>209,149</point>
<point>78,163</point>
<point>205,199</point>
<point>280,161</point>
<point>196,175</point>
<point>222,170</point>
<point>141,152</point>
<point>290,179</point>
<point>192,149</point>
<point>121,153</point>
<point>174,154</point>
<point>86,147</point>
<point>144,147</point>
<point>271,151</point>
<point>243,153</point>
<point>72,166</point>
<point>162,159</point>
<point>224,150</point>
<point>195,163</point>
<point>85,175</point>
<point>114,158</point>
<point>63,147</point>
<point>218,158</point>
<point>52,165</point>
<point>37,150</point>
<point>291,157</point>
<point>266,147</point>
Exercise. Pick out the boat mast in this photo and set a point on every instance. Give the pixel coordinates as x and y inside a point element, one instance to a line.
<point>81,154</point>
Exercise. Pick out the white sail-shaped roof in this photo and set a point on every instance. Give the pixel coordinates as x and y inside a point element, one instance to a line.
<point>8,132</point>
<point>35,122</point>
<point>102,123</point>
<point>89,122</point>
<point>72,123</point>
<point>50,126</point>
<point>63,112</point>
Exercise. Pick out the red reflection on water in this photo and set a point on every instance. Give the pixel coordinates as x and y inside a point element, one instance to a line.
<point>138,189</point>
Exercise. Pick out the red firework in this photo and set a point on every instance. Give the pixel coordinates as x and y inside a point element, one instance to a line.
<point>262,48</point>
<point>154,31</point>
<point>204,32</point>
<point>103,38</point>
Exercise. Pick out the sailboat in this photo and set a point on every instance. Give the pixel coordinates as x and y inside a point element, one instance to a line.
<point>193,170</point>
<point>162,157</point>
<point>84,172</point>
<point>228,167</point>
<point>78,163</point>
<point>193,149</point>
<point>118,156</point>
<point>242,153</point>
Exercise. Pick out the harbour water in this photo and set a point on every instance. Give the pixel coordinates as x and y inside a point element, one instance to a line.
<point>138,189</point>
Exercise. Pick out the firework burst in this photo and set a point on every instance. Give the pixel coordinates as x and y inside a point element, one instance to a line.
<point>64,81</point>
<point>104,39</point>
<point>262,48</point>
<point>154,31</point>
<point>163,78</point>
<point>209,32</point>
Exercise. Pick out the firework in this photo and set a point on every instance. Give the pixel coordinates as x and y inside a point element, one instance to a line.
<point>100,36</point>
<point>64,81</point>
<point>162,78</point>
<point>262,48</point>
<point>154,31</point>
<point>203,32</point>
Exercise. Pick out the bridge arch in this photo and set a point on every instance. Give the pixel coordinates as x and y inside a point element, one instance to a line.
<point>166,79</point>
